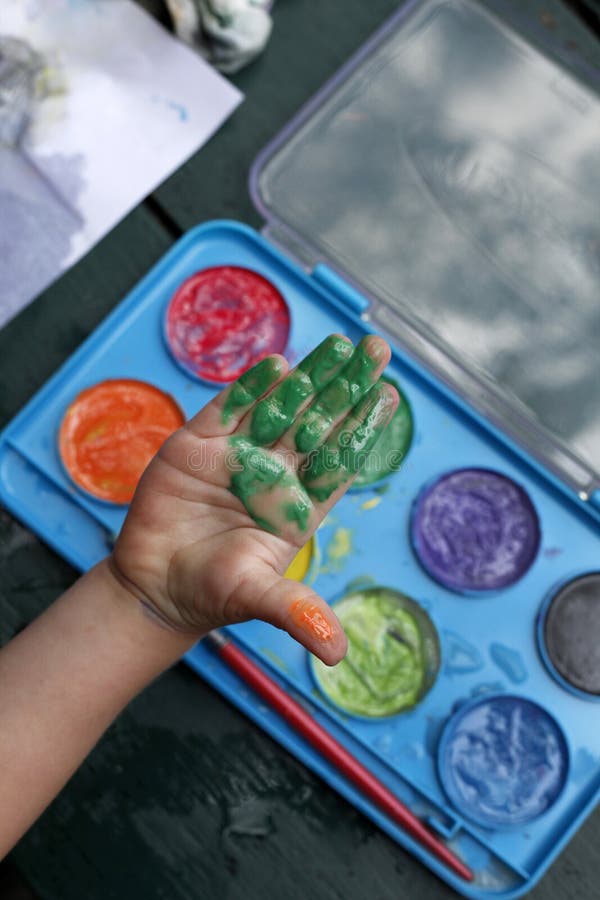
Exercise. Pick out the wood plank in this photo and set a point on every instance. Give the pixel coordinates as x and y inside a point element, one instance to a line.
<point>185,799</point>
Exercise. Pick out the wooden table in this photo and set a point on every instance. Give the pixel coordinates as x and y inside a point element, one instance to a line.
<point>183,798</point>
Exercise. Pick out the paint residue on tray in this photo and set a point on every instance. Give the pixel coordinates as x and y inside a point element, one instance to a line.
<point>337,550</point>
<point>275,659</point>
<point>510,661</point>
<point>371,504</point>
<point>461,657</point>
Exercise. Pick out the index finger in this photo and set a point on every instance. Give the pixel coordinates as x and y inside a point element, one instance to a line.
<point>223,414</point>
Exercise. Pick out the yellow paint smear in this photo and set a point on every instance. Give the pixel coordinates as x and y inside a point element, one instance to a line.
<point>371,504</point>
<point>299,566</point>
<point>338,548</point>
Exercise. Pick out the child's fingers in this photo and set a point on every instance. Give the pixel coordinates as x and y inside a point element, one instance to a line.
<point>296,609</point>
<point>330,470</point>
<point>225,411</point>
<point>338,397</point>
<point>276,412</point>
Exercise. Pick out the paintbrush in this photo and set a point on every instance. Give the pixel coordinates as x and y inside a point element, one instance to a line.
<point>296,716</point>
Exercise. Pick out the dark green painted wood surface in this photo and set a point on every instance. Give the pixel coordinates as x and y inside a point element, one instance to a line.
<point>183,798</point>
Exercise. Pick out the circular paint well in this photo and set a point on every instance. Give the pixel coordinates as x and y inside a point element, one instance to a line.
<point>475,530</point>
<point>390,451</point>
<point>223,320</point>
<point>110,433</point>
<point>299,567</point>
<point>393,654</point>
<point>569,634</point>
<point>503,761</point>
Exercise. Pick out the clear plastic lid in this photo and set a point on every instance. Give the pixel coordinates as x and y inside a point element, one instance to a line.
<point>452,173</point>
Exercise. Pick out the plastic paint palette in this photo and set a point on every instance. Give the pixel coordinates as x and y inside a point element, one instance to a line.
<point>484,569</point>
<point>488,643</point>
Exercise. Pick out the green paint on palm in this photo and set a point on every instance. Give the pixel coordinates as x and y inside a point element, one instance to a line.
<point>257,470</point>
<point>337,397</point>
<point>256,473</point>
<point>298,513</point>
<point>250,386</point>
<point>276,413</point>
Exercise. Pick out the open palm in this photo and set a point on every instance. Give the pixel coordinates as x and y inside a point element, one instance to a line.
<point>225,505</point>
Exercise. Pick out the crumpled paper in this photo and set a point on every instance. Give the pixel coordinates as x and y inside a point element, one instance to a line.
<point>228,33</point>
<point>26,77</point>
<point>20,67</point>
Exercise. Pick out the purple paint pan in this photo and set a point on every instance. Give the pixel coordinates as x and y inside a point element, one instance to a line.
<point>475,530</point>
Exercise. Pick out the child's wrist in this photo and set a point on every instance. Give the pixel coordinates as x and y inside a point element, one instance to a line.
<point>136,614</point>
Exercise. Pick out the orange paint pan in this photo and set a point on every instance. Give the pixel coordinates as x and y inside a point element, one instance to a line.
<point>110,433</point>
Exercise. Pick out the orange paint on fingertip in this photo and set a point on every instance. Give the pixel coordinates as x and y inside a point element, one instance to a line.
<point>309,617</point>
<point>110,433</point>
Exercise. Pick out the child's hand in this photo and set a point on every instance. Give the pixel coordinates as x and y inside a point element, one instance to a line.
<point>230,498</point>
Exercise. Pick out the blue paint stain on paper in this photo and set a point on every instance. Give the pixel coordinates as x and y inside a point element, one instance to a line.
<point>178,108</point>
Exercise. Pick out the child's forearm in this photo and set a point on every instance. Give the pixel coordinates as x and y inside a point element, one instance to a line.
<point>63,680</point>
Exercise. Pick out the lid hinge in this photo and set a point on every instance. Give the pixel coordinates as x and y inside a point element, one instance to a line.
<point>594,498</point>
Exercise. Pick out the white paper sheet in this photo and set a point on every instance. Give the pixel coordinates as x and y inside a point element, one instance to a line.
<point>128,104</point>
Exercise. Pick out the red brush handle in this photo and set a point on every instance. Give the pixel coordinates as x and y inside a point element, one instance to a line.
<point>332,750</point>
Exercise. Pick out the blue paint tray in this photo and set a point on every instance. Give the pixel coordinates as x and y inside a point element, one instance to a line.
<point>417,198</point>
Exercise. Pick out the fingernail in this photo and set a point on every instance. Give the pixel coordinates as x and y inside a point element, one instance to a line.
<point>377,349</point>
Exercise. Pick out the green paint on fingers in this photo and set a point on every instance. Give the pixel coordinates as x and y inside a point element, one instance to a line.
<point>276,413</point>
<point>337,398</point>
<point>388,453</point>
<point>272,494</point>
<point>336,462</point>
<point>250,386</point>
<point>324,361</point>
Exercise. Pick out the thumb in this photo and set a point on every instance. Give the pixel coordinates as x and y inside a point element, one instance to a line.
<point>297,609</point>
